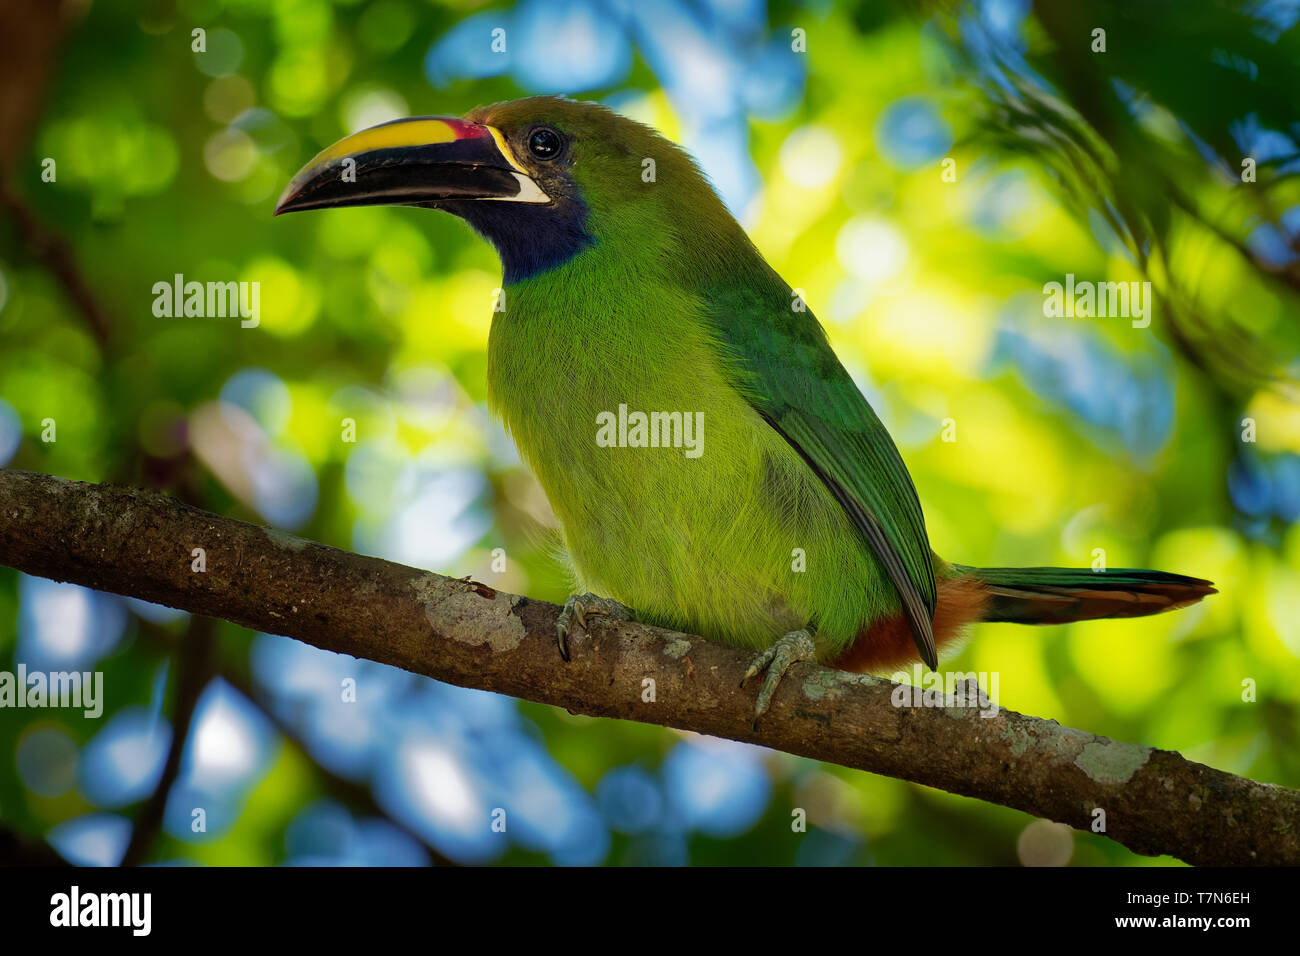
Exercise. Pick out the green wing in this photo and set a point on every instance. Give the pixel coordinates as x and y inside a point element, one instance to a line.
<point>786,368</point>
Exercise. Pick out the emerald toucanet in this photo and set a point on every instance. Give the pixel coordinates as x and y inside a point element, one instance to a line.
<point>683,410</point>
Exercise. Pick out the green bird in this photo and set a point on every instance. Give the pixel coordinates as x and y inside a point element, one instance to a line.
<point>682,408</point>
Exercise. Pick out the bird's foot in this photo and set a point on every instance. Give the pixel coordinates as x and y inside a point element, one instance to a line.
<point>776,660</point>
<point>576,609</point>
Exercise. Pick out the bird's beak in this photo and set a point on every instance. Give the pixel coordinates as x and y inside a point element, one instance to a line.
<point>423,160</point>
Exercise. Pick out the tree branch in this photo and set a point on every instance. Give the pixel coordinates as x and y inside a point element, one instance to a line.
<point>193,671</point>
<point>141,543</point>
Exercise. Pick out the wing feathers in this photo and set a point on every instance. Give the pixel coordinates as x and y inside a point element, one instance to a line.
<point>786,368</point>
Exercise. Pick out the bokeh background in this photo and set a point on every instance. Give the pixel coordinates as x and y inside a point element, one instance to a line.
<point>1170,156</point>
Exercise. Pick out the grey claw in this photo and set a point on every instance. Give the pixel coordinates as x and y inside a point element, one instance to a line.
<point>561,633</point>
<point>790,649</point>
<point>576,609</point>
<point>759,664</point>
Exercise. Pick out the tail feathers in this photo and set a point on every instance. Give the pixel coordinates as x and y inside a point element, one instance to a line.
<point>1059,595</point>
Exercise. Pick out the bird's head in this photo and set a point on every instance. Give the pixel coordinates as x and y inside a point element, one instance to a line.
<point>543,178</point>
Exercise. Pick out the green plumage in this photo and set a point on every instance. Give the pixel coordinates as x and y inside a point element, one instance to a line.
<point>673,309</point>
<point>1058,595</point>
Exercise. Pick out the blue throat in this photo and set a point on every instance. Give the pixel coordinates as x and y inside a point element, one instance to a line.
<point>530,239</point>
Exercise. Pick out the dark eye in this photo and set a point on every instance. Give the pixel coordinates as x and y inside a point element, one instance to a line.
<point>545,143</point>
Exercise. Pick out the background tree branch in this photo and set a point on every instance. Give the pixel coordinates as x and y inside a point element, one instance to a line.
<point>194,666</point>
<point>141,543</point>
<point>356,796</point>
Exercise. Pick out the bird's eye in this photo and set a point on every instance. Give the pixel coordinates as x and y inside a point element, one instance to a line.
<point>545,143</point>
